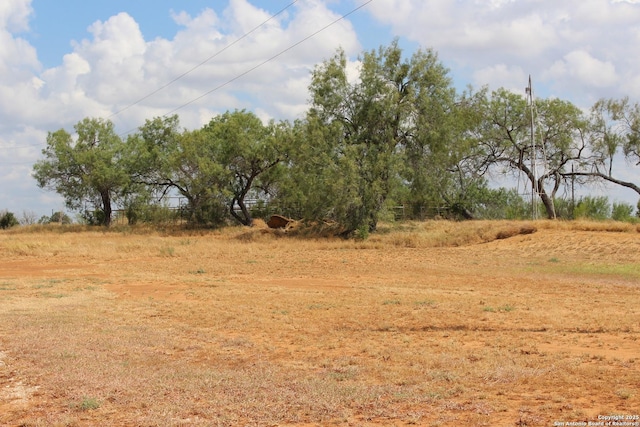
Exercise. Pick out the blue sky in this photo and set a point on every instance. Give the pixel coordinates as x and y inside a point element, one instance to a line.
<point>63,60</point>
<point>52,33</point>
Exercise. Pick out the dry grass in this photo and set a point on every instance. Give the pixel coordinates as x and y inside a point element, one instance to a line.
<point>436,323</point>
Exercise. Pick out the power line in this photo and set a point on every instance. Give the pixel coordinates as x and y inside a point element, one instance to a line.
<point>39,144</point>
<point>203,62</point>
<point>262,63</point>
<point>27,162</point>
<point>174,80</point>
<point>237,77</point>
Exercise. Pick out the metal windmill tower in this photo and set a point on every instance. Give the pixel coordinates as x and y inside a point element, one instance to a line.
<point>534,166</point>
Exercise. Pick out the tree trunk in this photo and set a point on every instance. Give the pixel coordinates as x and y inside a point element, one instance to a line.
<point>547,200</point>
<point>548,204</point>
<point>106,207</point>
<point>245,218</point>
<point>373,221</point>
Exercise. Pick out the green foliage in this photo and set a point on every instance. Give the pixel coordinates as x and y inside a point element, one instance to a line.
<point>397,134</point>
<point>162,159</point>
<point>597,208</point>
<point>362,233</point>
<point>622,211</point>
<point>320,182</point>
<point>247,149</point>
<point>60,217</point>
<point>56,218</point>
<point>564,208</point>
<point>503,309</point>
<point>92,217</point>
<point>504,137</point>
<point>87,169</point>
<point>390,135</point>
<point>87,404</point>
<point>615,127</point>
<point>214,168</point>
<point>502,203</point>
<point>8,220</point>
<point>141,208</point>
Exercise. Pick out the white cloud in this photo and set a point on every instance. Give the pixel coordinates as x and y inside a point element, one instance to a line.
<point>564,44</point>
<point>579,50</point>
<point>470,26</point>
<point>14,15</point>
<point>583,69</point>
<point>242,17</point>
<point>114,67</point>
<point>501,75</point>
<point>17,56</point>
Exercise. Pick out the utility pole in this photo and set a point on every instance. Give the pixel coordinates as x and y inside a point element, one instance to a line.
<point>573,192</point>
<point>534,181</point>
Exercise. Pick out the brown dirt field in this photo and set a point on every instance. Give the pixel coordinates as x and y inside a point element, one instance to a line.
<point>430,324</point>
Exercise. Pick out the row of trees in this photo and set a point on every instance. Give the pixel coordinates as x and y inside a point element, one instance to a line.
<point>8,219</point>
<point>506,204</point>
<point>398,135</point>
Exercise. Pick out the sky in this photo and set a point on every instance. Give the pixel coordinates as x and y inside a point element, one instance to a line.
<point>129,61</point>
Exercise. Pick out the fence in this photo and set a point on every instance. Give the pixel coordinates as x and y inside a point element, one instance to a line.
<point>177,213</point>
<point>403,213</point>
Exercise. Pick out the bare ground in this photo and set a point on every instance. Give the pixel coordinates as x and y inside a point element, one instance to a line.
<point>435,324</point>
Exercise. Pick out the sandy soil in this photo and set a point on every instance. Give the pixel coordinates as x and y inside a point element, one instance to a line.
<point>237,329</point>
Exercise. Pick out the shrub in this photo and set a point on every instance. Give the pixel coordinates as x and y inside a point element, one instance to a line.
<point>151,214</point>
<point>92,217</point>
<point>28,218</point>
<point>564,208</point>
<point>500,203</point>
<point>60,218</point>
<point>8,220</point>
<point>593,208</point>
<point>622,211</point>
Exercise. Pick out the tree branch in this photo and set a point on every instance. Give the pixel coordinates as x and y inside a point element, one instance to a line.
<point>600,175</point>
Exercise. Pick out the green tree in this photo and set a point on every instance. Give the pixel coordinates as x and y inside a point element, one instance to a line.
<point>354,143</point>
<point>87,169</point>
<point>505,141</point>
<point>60,218</point>
<point>593,208</point>
<point>614,130</point>
<point>621,211</point>
<point>214,168</point>
<point>368,125</point>
<point>55,218</point>
<point>199,175</point>
<point>8,220</point>
<point>164,158</point>
<point>565,207</point>
<point>149,155</point>
<point>440,167</point>
<point>318,182</point>
<point>248,149</point>
<point>501,203</point>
